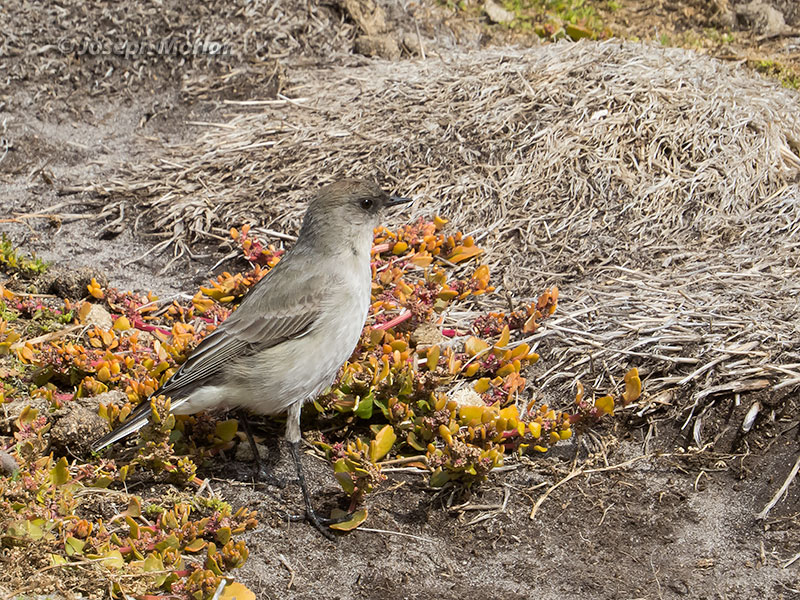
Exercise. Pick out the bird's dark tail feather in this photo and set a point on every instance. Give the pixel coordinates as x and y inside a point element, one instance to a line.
<point>137,419</point>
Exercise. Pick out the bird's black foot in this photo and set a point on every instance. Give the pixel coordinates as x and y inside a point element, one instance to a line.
<point>327,522</point>
<point>320,523</point>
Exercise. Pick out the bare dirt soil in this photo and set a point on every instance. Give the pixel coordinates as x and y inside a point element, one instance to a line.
<point>647,516</point>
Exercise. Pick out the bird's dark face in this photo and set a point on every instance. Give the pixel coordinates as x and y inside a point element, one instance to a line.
<point>367,200</point>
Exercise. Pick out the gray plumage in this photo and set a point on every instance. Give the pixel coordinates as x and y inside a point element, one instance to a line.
<point>295,328</point>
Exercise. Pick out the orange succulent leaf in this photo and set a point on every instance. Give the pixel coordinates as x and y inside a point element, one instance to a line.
<point>84,311</point>
<point>482,385</point>
<point>471,369</point>
<point>383,443</point>
<point>236,591</point>
<point>510,412</point>
<point>421,259</point>
<point>462,253</point>
<point>505,337</point>
<point>633,386</point>
<point>470,413</point>
<point>474,346</point>
<point>605,404</point>
<point>530,325</point>
<point>432,359</point>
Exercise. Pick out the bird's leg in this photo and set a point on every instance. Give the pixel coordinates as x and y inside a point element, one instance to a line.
<point>259,472</point>
<point>293,437</point>
<point>311,515</point>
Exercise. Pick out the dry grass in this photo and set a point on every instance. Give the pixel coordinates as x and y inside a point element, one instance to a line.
<point>659,188</point>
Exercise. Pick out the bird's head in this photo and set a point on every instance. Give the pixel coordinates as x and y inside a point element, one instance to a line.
<point>346,212</point>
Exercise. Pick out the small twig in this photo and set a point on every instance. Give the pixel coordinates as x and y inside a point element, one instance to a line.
<point>419,40</point>
<point>547,492</point>
<point>655,576</point>
<point>582,471</point>
<point>494,510</point>
<point>46,337</point>
<point>206,485</point>
<point>34,295</point>
<point>405,460</point>
<point>780,493</point>
<point>697,479</point>
<point>415,470</point>
<point>466,507</point>
<point>289,568</point>
<point>282,102</point>
<point>403,316</point>
<point>791,561</point>
<point>276,234</point>
<point>605,511</point>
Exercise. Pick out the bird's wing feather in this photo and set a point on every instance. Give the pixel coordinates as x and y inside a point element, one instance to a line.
<point>273,316</point>
<point>276,309</point>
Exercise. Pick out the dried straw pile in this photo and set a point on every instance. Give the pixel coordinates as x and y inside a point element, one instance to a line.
<point>74,48</point>
<point>659,188</point>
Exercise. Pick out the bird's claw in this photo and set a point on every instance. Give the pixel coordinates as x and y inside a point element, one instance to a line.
<point>320,523</point>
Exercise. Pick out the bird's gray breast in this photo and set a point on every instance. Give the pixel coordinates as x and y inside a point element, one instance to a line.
<point>300,369</point>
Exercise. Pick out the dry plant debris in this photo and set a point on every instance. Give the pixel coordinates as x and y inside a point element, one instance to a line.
<point>666,179</point>
<point>117,49</point>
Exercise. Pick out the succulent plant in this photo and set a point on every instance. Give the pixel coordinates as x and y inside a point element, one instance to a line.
<point>452,400</point>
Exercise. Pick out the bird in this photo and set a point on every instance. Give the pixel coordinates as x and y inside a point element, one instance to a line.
<point>293,330</point>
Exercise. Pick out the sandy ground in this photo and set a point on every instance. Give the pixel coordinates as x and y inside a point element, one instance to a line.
<point>678,526</point>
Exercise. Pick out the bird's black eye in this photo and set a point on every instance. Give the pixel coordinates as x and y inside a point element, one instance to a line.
<point>366,203</point>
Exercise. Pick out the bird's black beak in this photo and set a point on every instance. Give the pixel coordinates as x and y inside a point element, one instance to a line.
<point>396,200</point>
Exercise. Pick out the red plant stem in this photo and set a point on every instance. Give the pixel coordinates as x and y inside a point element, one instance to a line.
<point>381,248</point>
<point>402,317</point>
<point>139,324</point>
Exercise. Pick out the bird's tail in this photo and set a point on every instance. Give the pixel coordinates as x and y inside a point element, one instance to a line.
<point>137,419</point>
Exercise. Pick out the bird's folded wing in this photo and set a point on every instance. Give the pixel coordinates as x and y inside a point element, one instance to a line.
<point>264,320</point>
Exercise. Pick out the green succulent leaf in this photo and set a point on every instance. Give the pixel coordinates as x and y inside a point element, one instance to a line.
<point>73,546</point>
<point>356,519</point>
<point>226,430</point>
<point>364,408</point>
<point>439,478</point>
<point>346,482</point>
<point>382,443</point>
<point>59,475</point>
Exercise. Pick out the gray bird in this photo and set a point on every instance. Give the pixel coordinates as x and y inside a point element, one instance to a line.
<point>295,328</point>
